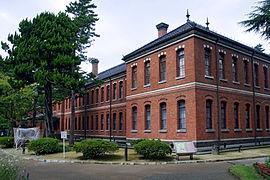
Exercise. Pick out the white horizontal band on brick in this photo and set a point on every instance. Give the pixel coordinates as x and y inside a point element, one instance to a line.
<point>206,46</point>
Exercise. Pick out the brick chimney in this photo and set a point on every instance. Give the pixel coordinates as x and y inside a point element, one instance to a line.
<point>94,63</point>
<point>162,29</point>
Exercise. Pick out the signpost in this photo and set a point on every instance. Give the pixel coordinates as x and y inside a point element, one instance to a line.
<point>64,137</point>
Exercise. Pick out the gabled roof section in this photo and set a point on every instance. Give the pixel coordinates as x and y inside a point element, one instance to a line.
<point>185,28</point>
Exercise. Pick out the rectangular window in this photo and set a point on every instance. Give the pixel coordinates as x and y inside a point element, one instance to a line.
<point>209,114</point>
<point>246,71</point>
<point>76,101</point>
<point>221,66</point>
<point>108,93</point>
<point>236,116</point>
<point>267,117</point>
<point>92,123</point>
<point>87,123</point>
<point>234,69</point>
<point>181,115</point>
<point>102,95</point>
<point>258,117</point>
<point>114,91</point>
<point>134,77</point>
<point>134,118</point>
<point>80,101</point>
<point>79,124</point>
<point>207,62</point>
<point>92,97</point>
<point>256,74</point>
<point>97,95</point>
<point>147,72</point>
<point>180,63</point>
<point>83,123</point>
<point>87,98</point>
<point>120,89</point>
<point>120,121</point>
<point>147,117</point>
<point>163,116</point>
<point>76,124</point>
<point>114,121</point>
<point>108,122</point>
<point>247,116</point>
<point>96,122</point>
<point>265,77</point>
<point>162,68</point>
<point>102,122</point>
<point>223,115</point>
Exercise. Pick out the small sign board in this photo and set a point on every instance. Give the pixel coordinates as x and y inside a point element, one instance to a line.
<point>184,147</point>
<point>63,134</point>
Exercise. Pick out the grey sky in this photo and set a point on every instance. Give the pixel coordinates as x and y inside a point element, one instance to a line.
<point>125,25</point>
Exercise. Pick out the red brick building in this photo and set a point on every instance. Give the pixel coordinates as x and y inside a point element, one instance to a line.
<point>190,84</point>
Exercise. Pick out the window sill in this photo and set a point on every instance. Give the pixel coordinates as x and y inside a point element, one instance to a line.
<point>92,130</point>
<point>147,131</point>
<point>101,130</point>
<point>162,131</point>
<point>107,101</point>
<point>133,89</point>
<point>134,131</point>
<point>266,89</point>
<point>209,77</point>
<point>181,130</point>
<point>97,103</point>
<point>102,103</point>
<point>96,130</point>
<point>180,77</point>
<point>210,130</point>
<point>107,130</point>
<point>147,85</point>
<point>113,100</point>
<point>249,130</point>
<point>257,87</point>
<point>237,130</point>
<point>268,130</point>
<point>120,131</point>
<point>223,80</point>
<point>114,131</point>
<point>161,82</point>
<point>120,99</point>
<point>236,82</point>
<point>259,130</point>
<point>225,130</point>
<point>247,85</point>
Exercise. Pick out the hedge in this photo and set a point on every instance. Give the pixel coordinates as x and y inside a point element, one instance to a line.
<point>44,146</point>
<point>8,142</point>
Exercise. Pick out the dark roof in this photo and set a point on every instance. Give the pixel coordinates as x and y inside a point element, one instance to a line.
<point>188,26</point>
<point>112,72</point>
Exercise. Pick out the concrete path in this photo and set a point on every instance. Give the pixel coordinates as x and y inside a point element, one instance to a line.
<point>66,171</point>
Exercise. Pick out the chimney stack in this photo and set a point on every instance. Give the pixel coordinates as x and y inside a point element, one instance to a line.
<point>162,29</point>
<point>94,63</point>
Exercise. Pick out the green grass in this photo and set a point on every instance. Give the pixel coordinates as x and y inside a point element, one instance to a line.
<point>244,172</point>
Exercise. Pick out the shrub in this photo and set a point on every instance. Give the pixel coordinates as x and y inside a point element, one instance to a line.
<point>44,146</point>
<point>7,141</point>
<point>151,149</point>
<point>133,143</point>
<point>94,148</point>
<point>9,167</point>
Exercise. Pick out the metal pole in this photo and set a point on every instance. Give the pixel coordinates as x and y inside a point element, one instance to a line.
<point>85,114</point>
<point>110,94</point>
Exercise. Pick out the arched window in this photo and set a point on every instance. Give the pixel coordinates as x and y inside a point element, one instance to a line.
<point>207,62</point>
<point>221,66</point>
<point>134,118</point>
<point>234,69</point>
<point>247,116</point>
<point>114,121</point>
<point>147,117</point>
<point>102,122</point>
<point>223,115</point>
<point>120,121</point>
<point>208,114</point>
<point>162,68</point>
<point>258,124</point>
<point>236,115</point>
<point>181,114</point>
<point>163,116</point>
<point>147,72</point>
<point>180,63</point>
<point>134,77</point>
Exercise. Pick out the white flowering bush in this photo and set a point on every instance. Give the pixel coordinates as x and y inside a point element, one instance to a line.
<point>9,168</point>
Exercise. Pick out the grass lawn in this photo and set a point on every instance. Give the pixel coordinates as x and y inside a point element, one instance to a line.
<point>244,172</point>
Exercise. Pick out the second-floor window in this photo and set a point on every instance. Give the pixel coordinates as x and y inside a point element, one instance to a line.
<point>221,66</point>
<point>147,72</point>
<point>108,93</point>
<point>114,91</point>
<point>134,77</point>
<point>256,74</point>
<point>92,97</point>
<point>180,63</point>
<point>265,77</point>
<point>246,72</point>
<point>162,68</point>
<point>234,69</point>
<point>97,95</point>
<point>207,63</point>
<point>102,94</point>
<point>121,89</point>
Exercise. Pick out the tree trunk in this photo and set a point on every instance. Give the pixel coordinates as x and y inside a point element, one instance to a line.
<point>48,110</point>
<point>35,111</point>
<point>71,132</point>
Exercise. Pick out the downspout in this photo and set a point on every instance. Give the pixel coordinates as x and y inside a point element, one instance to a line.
<point>218,112</point>
<point>85,113</point>
<point>253,97</point>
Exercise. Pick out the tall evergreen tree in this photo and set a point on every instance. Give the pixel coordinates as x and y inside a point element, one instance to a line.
<point>84,17</point>
<point>259,19</point>
<point>42,53</point>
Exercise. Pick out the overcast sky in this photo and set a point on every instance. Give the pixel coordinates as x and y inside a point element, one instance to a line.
<point>125,25</point>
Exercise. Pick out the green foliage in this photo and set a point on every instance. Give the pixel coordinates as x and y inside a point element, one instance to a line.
<point>259,47</point>
<point>9,167</point>
<point>95,148</point>
<point>60,148</point>
<point>243,172</point>
<point>44,146</point>
<point>152,149</point>
<point>257,168</point>
<point>259,19</point>
<point>7,142</point>
<point>134,142</point>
